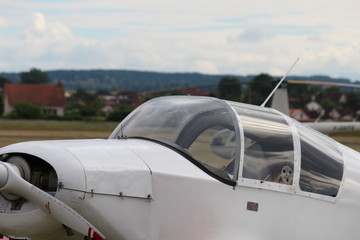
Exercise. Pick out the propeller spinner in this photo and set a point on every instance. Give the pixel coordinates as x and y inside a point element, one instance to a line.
<point>11,181</point>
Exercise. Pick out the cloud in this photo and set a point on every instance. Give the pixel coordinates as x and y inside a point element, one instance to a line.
<point>39,22</point>
<point>257,34</point>
<point>3,22</point>
<point>205,66</point>
<point>46,31</point>
<point>166,35</point>
<point>46,44</point>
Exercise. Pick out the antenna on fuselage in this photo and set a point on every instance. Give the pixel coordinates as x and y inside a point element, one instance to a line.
<point>279,83</point>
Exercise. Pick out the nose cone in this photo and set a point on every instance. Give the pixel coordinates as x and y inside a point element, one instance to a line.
<point>99,180</point>
<point>3,176</point>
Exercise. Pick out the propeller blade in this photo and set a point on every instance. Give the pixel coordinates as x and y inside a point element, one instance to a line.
<point>12,182</point>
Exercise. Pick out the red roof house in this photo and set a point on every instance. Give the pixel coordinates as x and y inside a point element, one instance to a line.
<point>51,97</point>
<point>300,115</point>
<point>196,92</point>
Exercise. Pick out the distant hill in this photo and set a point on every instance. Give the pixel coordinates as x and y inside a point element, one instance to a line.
<point>113,80</point>
<point>123,79</point>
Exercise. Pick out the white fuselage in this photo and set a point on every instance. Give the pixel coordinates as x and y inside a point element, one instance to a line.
<point>137,189</point>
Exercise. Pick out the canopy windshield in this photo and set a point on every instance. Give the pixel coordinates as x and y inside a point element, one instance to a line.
<point>202,128</point>
<point>233,141</point>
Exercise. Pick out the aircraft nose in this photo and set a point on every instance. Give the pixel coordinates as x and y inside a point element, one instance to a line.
<point>14,183</point>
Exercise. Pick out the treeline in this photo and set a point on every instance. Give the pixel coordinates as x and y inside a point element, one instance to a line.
<point>113,80</point>
<point>143,81</point>
<point>85,103</point>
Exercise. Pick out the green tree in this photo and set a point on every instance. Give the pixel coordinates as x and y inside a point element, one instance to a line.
<point>300,92</point>
<point>333,93</point>
<point>317,91</point>
<point>1,104</point>
<point>83,104</point>
<point>229,88</point>
<point>353,101</point>
<point>328,105</point>
<point>3,80</point>
<point>34,76</point>
<point>79,110</point>
<point>259,88</point>
<point>72,114</point>
<point>23,110</point>
<point>83,95</point>
<point>120,114</point>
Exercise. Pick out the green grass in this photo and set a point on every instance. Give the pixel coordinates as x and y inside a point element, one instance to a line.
<point>347,134</point>
<point>6,124</point>
<point>14,131</point>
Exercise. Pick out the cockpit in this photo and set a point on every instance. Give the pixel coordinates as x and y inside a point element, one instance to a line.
<point>240,144</point>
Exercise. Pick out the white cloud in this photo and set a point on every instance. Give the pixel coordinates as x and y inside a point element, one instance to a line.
<point>43,37</point>
<point>3,22</point>
<point>257,34</point>
<point>205,66</point>
<point>39,22</point>
<point>45,44</point>
<point>166,35</point>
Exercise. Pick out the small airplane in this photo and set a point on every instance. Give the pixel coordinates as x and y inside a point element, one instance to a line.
<point>184,167</point>
<point>280,102</point>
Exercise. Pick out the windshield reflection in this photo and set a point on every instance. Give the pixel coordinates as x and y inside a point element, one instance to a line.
<point>193,124</point>
<point>269,150</point>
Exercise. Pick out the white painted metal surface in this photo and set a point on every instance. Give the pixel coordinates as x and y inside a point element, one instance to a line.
<point>333,127</point>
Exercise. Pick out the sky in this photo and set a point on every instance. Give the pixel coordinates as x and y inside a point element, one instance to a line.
<point>234,37</point>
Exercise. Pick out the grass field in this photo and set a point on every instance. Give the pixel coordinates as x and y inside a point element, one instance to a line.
<point>351,139</point>
<point>13,131</point>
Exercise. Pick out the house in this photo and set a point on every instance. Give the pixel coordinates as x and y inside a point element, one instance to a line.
<point>334,114</point>
<point>313,106</point>
<point>196,92</point>
<point>300,115</point>
<point>127,97</point>
<point>51,97</point>
<point>109,105</point>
